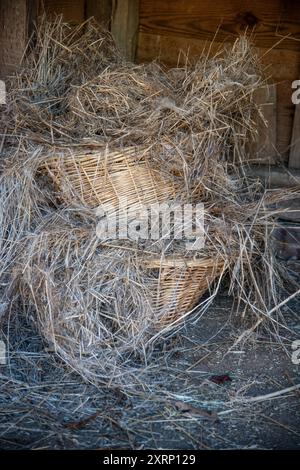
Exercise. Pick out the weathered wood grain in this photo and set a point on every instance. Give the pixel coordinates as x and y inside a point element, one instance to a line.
<point>13,34</point>
<point>101,10</point>
<point>275,177</point>
<point>125,25</point>
<point>73,11</point>
<point>270,20</point>
<point>264,149</point>
<point>294,160</point>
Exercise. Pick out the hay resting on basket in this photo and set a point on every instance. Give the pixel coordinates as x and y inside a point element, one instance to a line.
<point>76,112</point>
<point>101,306</point>
<point>90,304</point>
<point>75,87</point>
<point>96,306</point>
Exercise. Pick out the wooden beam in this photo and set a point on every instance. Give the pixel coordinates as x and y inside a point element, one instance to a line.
<point>32,15</point>
<point>273,178</point>
<point>124,26</point>
<point>101,10</point>
<point>264,149</point>
<point>276,177</point>
<point>286,241</point>
<point>13,34</point>
<point>294,159</point>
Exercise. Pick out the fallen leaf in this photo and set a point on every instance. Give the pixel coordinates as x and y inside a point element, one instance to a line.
<point>192,410</point>
<point>220,379</point>
<point>82,423</point>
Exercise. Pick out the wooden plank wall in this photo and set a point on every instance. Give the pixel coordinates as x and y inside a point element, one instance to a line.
<point>16,22</point>
<point>16,18</point>
<point>120,16</point>
<point>101,10</point>
<point>170,26</point>
<point>12,39</point>
<point>72,10</point>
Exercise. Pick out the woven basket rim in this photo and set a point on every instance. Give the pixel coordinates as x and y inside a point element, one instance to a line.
<point>135,151</point>
<point>181,262</point>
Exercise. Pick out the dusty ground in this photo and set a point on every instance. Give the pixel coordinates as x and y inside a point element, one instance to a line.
<point>45,406</point>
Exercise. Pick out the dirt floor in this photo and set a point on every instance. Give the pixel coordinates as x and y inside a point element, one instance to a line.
<point>206,390</point>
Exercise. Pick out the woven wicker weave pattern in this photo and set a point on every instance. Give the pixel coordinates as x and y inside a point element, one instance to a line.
<point>180,284</point>
<point>119,178</point>
<point>127,180</point>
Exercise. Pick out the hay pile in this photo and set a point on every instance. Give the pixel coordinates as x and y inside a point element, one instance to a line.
<point>76,109</point>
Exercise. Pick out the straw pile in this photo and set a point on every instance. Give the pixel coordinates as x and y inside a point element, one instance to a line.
<point>84,128</point>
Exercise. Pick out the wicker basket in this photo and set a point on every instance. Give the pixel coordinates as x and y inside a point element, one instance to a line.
<point>179,284</point>
<point>122,179</point>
